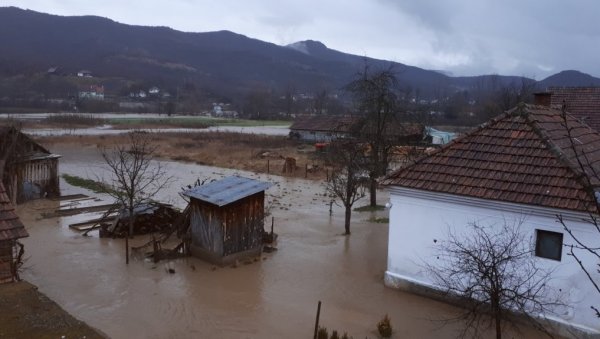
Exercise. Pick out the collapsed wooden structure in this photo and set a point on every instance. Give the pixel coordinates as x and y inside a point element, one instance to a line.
<point>11,230</point>
<point>29,171</point>
<point>148,218</point>
<point>226,219</point>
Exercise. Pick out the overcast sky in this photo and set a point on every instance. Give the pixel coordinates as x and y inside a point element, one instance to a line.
<point>534,38</point>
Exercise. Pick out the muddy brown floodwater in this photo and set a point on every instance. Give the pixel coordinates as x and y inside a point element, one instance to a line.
<point>272,298</point>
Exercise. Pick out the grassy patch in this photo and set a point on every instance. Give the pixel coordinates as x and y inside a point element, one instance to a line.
<point>380,220</point>
<point>90,184</point>
<point>168,122</point>
<point>369,208</point>
<point>69,119</point>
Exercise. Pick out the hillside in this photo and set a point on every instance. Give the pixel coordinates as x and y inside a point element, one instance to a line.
<point>223,63</point>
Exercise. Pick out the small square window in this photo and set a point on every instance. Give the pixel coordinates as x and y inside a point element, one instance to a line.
<point>548,244</point>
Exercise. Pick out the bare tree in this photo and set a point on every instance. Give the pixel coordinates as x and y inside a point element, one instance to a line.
<point>320,102</point>
<point>585,160</point>
<point>345,184</point>
<point>373,92</point>
<point>136,178</point>
<point>494,270</point>
<point>289,99</point>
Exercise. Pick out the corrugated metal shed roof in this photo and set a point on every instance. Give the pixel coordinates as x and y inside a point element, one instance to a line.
<point>11,226</point>
<point>225,191</point>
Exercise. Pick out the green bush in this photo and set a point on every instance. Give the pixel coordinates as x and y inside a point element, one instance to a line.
<point>334,335</point>
<point>384,327</point>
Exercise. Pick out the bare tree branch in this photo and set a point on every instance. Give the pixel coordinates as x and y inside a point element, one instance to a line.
<point>494,271</point>
<point>136,177</point>
<point>345,183</point>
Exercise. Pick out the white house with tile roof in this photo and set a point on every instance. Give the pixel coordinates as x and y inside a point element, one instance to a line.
<point>520,167</point>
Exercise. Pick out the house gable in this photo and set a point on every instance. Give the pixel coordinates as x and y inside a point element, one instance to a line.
<point>524,156</point>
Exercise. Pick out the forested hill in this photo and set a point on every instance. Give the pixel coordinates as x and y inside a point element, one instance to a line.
<point>222,62</point>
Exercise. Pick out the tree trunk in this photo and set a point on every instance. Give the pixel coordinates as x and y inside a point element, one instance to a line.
<point>347,219</point>
<point>373,190</point>
<point>131,221</point>
<point>498,326</point>
<point>497,316</point>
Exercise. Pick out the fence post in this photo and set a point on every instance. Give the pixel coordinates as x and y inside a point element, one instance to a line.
<point>127,248</point>
<point>317,320</point>
<point>268,166</point>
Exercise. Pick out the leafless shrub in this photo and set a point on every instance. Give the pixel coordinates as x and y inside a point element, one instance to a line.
<point>494,272</point>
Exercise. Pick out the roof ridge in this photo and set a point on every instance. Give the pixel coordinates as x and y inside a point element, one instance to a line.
<point>580,173</point>
<point>515,157</point>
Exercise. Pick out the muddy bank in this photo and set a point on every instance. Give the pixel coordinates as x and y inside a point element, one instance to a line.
<point>275,297</point>
<point>27,313</point>
<point>256,153</point>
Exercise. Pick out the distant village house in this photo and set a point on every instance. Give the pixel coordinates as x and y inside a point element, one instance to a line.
<point>94,92</point>
<point>52,70</point>
<point>84,73</point>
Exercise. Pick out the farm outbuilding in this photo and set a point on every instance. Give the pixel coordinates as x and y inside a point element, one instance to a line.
<point>29,171</point>
<point>227,219</point>
<point>11,229</point>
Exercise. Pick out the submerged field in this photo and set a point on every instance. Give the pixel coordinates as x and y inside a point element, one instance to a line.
<point>250,152</point>
<point>273,297</point>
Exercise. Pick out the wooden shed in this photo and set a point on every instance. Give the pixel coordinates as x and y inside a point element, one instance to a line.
<point>29,171</point>
<point>11,229</point>
<point>227,219</point>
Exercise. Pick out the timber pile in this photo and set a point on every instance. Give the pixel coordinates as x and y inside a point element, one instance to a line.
<point>150,218</point>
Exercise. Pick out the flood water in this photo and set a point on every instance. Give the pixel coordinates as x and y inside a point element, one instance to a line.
<point>275,297</point>
<point>108,130</point>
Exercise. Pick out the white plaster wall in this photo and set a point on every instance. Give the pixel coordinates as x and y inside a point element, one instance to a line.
<point>416,220</point>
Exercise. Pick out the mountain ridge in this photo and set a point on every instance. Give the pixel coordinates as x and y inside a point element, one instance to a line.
<point>220,61</point>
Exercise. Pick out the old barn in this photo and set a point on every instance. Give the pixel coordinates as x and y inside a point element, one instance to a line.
<point>227,219</point>
<point>29,171</point>
<point>11,229</point>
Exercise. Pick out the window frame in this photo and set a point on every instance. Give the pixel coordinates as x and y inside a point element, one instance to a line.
<point>540,233</point>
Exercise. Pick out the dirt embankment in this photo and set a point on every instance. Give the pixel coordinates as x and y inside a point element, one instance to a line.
<point>27,313</point>
<point>250,152</point>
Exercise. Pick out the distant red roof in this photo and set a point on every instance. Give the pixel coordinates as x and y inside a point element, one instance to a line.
<point>324,123</point>
<point>344,124</point>
<point>523,156</point>
<point>11,226</point>
<point>582,102</point>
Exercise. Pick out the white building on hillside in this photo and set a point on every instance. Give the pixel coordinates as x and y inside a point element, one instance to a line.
<point>519,166</point>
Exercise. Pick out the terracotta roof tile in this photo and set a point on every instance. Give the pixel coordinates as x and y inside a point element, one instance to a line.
<point>523,156</point>
<point>11,226</point>
<point>582,102</point>
<point>344,124</point>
